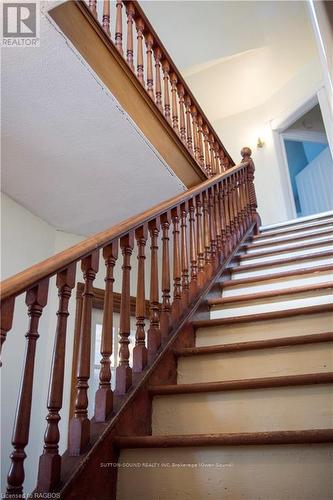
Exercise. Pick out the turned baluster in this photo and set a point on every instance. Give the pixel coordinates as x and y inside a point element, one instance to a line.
<point>239,201</point>
<point>177,294</point>
<point>158,89</point>
<point>212,154</point>
<point>219,169</point>
<point>221,161</point>
<point>218,223</point>
<point>184,257</point>
<point>119,26</point>
<point>222,218</point>
<point>139,28</point>
<point>150,81</point>
<point>106,17</point>
<point>188,124</point>
<point>194,114</point>
<point>140,350</point>
<point>166,69</point>
<point>130,11</point>
<point>231,212</point>
<point>200,241</point>
<point>104,394</point>
<point>244,203</point>
<point>193,250</point>
<point>212,227</point>
<point>154,332</point>
<point>228,246</point>
<point>93,7</point>
<point>208,165</point>
<point>173,81</point>
<point>36,300</point>
<point>200,141</point>
<point>234,195</point>
<point>6,319</point>
<point>50,461</point>
<point>165,318</point>
<point>246,157</point>
<point>226,162</point>
<point>124,371</point>
<point>181,94</point>
<point>206,227</point>
<point>79,427</point>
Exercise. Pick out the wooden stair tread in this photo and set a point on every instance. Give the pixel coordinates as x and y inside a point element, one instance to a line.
<point>282,261</point>
<point>320,217</point>
<point>287,313</point>
<point>294,248</point>
<point>227,439</point>
<point>270,294</point>
<point>288,239</point>
<point>243,384</point>
<point>256,344</point>
<point>276,276</point>
<point>271,233</point>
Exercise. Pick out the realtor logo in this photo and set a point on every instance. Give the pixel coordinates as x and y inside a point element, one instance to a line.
<point>20,25</point>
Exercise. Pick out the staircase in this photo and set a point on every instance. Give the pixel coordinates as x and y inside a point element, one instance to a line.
<point>251,413</point>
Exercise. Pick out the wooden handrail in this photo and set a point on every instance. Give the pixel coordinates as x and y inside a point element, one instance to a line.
<point>153,66</point>
<point>24,280</point>
<point>203,227</point>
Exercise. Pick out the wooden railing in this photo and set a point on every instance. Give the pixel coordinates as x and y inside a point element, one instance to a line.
<point>199,229</point>
<point>136,40</point>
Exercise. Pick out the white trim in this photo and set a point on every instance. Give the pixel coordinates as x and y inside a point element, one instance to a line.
<point>288,118</point>
<point>299,219</point>
<point>305,135</point>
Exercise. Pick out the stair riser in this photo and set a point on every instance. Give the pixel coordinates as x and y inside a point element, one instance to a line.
<point>237,273</point>
<point>284,255</point>
<point>289,472</point>
<point>294,360</point>
<point>279,303</point>
<point>254,249</point>
<point>252,410</point>
<point>283,237</point>
<point>285,327</point>
<point>296,228</point>
<point>278,284</point>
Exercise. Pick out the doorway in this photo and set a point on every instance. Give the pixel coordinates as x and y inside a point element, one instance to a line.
<point>310,164</point>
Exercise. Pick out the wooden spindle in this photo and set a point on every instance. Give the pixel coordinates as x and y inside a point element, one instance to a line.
<point>93,7</point>
<point>234,206</point>
<point>194,115</point>
<point>104,394</point>
<point>212,154</point>
<point>119,26</point>
<point>177,295</point>
<point>200,141</point>
<point>243,196</point>
<point>231,212</point>
<point>206,226</point>
<point>79,427</point>
<point>166,70</point>
<point>228,246</point>
<point>139,29</point>
<point>223,219</point>
<point>158,86</point>
<point>106,17</point>
<point>219,169</point>
<point>182,128</point>
<point>140,353</point>
<point>150,81</point>
<point>154,332</point>
<point>193,250</point>
<point>50,461</point>
<point>221,160</point>
<point>130,11</point>
<point>200,241</point>
<point>173,81</point>
<point>165,319</point>
<point>246,157</point>
<point>208,165</point>
<point>226,162</point>
<point>184,256</point>
<point>218,221</point>
<point>36,300</point>
<point>212,227</point>
<point>124,371</point>
<point>188,124</point>
<point>6,319</point>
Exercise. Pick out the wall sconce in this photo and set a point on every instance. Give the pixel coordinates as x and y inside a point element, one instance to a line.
<point>260,143</point>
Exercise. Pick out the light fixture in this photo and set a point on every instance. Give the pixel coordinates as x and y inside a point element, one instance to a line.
<point>260,143</point>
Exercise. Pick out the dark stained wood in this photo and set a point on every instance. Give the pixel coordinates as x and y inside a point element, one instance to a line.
<point>182,127</point>
<point>50,461</point>
<point>6,319</point>
<point>193,250</point>
<point>250,297</point>
<point>154,332</point>
<point>184,257</point>
<point>200,241</point>
<point>130,11</point>
<point>188,123</point>
<point>79,426</point>
<point>310,436</point>
<point>288,260</point>
<point>165,318</point>
<point>239,385</point>
<point>301,246</point>
<point>173,81</point>
<point>256,344</point>
<point>150,81</point>
<point>124,371</point>
<point>139,28</point>
<point>119,26</point>
<point>264,316</point>
<point>166,70</point>
<point>276,276</point>
<point>158,86</point>
<point>106,16</point>
<point>36,300</point>
<point>177,294</point>
<point>140,354</point>
<point>104,394</point>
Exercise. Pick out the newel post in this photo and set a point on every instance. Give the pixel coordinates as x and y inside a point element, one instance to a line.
<point>252,198</point>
